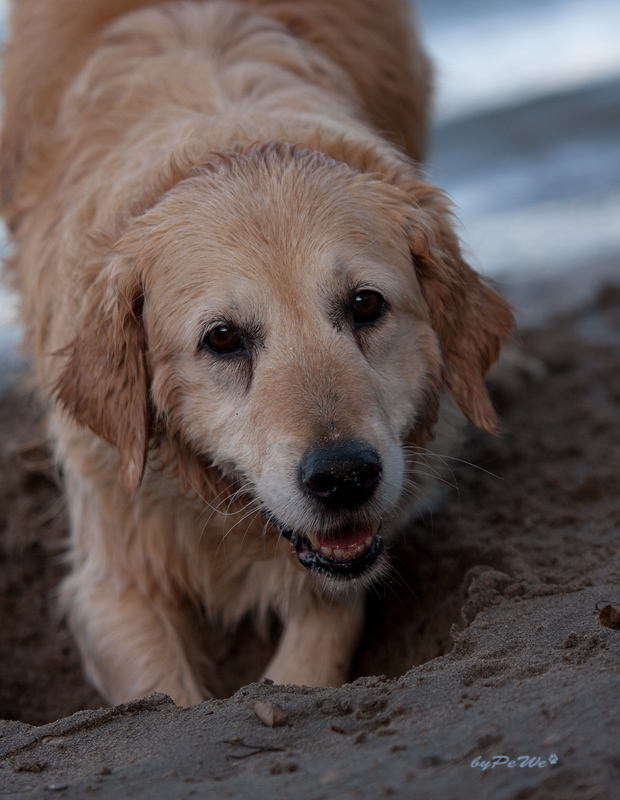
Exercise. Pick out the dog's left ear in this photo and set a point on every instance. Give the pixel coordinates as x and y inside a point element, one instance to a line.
<point>104,384</point>
<point>472,322</point>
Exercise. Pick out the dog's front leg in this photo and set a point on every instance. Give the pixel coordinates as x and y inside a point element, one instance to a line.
<point>136,634</point>
<point>318,643</point>
<point>130,645</point>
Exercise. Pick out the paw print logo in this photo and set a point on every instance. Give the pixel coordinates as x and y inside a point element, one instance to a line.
<point>553,759</point>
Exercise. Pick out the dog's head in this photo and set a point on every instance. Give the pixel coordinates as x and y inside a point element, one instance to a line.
<point>293,321</point>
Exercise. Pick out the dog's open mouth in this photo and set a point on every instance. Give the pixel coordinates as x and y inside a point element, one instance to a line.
<point>348,554</point>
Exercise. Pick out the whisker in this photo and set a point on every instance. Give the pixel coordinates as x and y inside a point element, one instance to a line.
<point>424,458</point>
<point>252,513</point>
<point>436,473</point>
<point>443,457</point>
<point>434,477</point>
<point>225,513</point>
<point>218,507</point>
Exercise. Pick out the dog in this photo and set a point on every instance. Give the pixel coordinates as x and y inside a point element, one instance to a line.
<point>251,322</point>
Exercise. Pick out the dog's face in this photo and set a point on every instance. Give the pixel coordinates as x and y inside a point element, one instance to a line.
<point>286,337</point>
<point>289,341</point>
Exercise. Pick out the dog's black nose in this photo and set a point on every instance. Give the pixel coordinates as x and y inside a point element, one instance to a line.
<point>342,475</point>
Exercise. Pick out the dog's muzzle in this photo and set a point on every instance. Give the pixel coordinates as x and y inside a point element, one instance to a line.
<point>340,480</point>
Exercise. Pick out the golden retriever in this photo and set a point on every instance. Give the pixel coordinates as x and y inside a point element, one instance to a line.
<point>249,315</point>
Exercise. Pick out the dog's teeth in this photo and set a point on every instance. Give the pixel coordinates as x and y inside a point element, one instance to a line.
<point>360,549</point>
<point>368,541</point>
<point>327,551</point>
<point>338,552</point>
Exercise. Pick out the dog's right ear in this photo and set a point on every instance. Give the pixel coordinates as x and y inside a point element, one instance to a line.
<point>104,384</point>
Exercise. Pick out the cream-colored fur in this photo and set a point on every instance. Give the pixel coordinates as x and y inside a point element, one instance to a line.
<point>166,168</point>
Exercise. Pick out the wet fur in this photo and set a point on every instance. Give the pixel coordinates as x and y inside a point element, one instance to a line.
<point>163,166</point>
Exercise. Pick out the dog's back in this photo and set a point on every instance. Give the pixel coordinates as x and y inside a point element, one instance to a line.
<point>370,40</point>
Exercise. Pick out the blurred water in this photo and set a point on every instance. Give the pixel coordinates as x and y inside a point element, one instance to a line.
<point>527,135</point>
<point>527,139</point>
<point>492,53</point>
<point>10,337</point>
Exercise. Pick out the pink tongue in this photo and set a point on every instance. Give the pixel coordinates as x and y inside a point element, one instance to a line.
<point>345,539</point>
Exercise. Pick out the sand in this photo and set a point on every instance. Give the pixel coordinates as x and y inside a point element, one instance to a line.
<point>487,638</point>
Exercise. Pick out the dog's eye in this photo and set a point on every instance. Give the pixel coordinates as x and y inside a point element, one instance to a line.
<point>366,307</point>
<point>223,339</point>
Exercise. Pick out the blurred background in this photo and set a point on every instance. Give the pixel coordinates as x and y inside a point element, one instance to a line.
<point>526,142</point>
